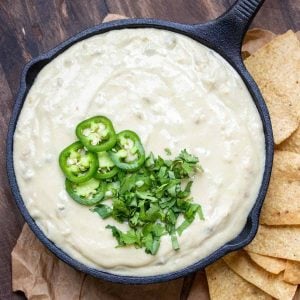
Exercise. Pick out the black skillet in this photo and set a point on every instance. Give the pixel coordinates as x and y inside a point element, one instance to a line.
<point>224,35</point>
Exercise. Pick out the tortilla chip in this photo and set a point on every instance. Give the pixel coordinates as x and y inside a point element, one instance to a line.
<point>287,164</point>
<point>292,143</point>
<point>271,264</point>
<point>292,272</point>
<point>277,241</point>
<point>282,203</point>
<point>272,284</point>
<point>276,69</point>
<point>224,284</point>
<point>255,39</point>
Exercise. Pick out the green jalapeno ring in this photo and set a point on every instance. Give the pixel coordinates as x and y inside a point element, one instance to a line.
<point>106,168</point>
<point>96,134</point>
<point>87,193</point>
<point>128,153</point>
<point>77,164</point>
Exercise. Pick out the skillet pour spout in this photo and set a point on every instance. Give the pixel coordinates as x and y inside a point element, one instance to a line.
<point>224,35</point>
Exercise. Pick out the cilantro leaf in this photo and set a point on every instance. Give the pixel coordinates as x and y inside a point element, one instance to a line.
<point>104,211</point>
<point>189,158</point>
<point>120,211</point>
<point>151,200</point>
<point>184,225</point>
<point>175,243</point>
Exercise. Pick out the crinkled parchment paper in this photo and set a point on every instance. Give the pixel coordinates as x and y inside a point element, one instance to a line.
<point>40,275</point>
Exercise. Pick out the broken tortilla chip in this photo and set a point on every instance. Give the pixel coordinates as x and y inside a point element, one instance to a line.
<point>287,164</point>
<point>282,203</point>
<point>292,272</point>
<point>224,284</point>
<point>277,241</point>
<point>292,144</point>
<point>255,39</point>
<point>271,264</point>
<point>272,284</point>
<point>276,69</point>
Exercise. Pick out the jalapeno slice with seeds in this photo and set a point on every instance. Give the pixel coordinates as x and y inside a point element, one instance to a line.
<point>128,153</point>
<point>96,134</point>
<point>78,164</point>
<point>106,167</point>
<point>86,193</point>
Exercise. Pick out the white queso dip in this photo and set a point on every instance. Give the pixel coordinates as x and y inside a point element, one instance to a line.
<point>174,93</point>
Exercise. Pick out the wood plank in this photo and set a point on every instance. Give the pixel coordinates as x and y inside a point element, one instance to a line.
<point>11,221</point>
<point>185,11</point>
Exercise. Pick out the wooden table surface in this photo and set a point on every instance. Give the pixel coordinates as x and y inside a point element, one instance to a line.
<point>30,27</point>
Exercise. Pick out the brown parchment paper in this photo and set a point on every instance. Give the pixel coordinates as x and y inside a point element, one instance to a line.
<point>40,275</point>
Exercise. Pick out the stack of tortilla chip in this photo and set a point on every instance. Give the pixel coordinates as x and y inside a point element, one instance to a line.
<point>269,267</point>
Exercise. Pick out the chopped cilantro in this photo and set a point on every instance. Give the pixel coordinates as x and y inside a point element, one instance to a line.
<point>104,211</point>
<point>151,199</point>
<point>174,240</point>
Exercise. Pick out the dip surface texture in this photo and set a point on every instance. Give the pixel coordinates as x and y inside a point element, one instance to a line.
<point>175,93</point>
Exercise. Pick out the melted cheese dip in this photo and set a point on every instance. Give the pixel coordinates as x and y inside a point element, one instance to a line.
<point>175,93</point>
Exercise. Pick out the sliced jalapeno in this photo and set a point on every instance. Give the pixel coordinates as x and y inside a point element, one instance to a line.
<point>78,164</point>
<point>86,193</point>
<point>106,167</point>
<point>128,153</point>
<point>96,134</point>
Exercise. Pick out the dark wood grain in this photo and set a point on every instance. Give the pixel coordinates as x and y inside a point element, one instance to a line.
<point>30,27</point>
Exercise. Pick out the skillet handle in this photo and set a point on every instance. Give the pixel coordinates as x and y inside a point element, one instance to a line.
<point>227,32</point>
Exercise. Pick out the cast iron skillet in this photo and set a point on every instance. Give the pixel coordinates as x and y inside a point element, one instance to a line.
<point>224,35</point>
